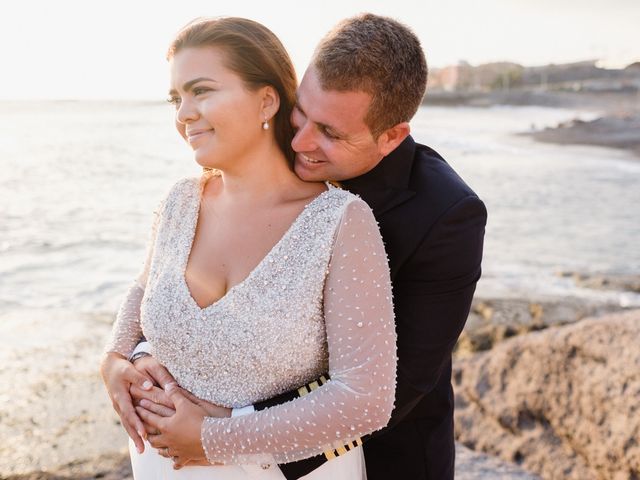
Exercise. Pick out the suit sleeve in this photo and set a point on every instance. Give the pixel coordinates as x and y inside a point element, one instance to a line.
<point>432,297</point>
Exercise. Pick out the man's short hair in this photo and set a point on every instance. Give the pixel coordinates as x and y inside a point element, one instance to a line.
<point>377,55</point>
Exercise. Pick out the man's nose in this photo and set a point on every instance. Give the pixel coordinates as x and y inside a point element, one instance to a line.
<point>304,139</point>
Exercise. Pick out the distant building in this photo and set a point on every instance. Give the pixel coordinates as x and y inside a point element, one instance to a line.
<point>575,76</point>
<point>465,77</point>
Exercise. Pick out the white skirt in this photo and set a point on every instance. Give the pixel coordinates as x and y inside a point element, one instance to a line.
<point>151,466</point>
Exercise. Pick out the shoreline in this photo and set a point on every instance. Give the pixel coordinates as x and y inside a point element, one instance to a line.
<point>58,421</point>
<point>616,126</point>
<point>470,465</point>
<point>612,131</point>
<point>493,319</point>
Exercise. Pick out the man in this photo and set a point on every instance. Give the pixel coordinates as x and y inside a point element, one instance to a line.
<point>364,84</point>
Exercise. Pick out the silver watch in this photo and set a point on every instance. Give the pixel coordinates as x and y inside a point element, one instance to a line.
<point>138,355</point>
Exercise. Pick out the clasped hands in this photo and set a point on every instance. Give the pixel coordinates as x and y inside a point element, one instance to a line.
<point>152,406</point>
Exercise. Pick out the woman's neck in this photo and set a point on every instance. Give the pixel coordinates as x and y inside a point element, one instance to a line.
<point>262,176</point>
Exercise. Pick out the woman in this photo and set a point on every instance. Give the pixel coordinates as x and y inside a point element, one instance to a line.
<point>257,282</point>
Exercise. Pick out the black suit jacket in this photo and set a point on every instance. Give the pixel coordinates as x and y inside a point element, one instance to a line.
<point>432,225</point>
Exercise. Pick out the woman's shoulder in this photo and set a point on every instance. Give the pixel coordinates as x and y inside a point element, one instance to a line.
<point>336,203</point>
<point>345,198</point>
<point>182,191</point>
<point>186,184</point>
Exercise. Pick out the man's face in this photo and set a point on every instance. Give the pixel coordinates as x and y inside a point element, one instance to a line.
<point>332,142</point>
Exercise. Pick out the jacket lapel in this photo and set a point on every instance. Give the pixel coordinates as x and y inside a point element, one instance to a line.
<point>387,185</point>
<point>384,188</point>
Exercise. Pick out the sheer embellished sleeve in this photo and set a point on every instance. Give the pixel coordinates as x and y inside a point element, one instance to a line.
<point>127,332</point>
<point>359,397</point>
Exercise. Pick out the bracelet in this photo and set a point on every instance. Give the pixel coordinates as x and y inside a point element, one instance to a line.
<point>138,355</point>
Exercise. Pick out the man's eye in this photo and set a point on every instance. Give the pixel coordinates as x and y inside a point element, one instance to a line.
<point>329,135</point>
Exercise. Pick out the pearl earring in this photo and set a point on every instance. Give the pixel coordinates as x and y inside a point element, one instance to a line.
<point>265,125</point>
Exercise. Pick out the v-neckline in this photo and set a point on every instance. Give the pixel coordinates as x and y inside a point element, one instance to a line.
<point>194,227</point>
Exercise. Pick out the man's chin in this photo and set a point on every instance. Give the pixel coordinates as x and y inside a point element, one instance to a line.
<point>306,174</point>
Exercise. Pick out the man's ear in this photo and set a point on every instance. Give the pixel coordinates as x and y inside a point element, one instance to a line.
<point>389,140</point>
<point>270,102</point>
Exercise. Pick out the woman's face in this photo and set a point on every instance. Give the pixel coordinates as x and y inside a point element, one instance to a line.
<point>215,112</point>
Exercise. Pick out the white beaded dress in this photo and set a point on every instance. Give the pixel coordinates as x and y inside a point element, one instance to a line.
<point>319,301</point>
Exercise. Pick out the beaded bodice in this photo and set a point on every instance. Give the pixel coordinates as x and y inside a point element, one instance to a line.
<point>319,301</point>
<point>267,334</point>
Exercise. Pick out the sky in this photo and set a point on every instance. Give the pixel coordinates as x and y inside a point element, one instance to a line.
<point>72,49</point>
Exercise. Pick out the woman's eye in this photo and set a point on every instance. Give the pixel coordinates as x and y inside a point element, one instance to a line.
<point>200,90</point>
<point>173,101</point>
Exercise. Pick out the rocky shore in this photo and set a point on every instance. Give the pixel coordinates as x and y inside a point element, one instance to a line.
<point>563,402</point>
<point>614,131</point>
<point>539,386</point>
<point>608,101</point>
<point>493,320</point>
<point>617,125</point>
<point>56,422</point>
<point>553,384</point>
<point>470,465</point>
<point>54,411</point>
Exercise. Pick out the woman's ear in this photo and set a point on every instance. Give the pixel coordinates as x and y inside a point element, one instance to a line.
<point>270,102</point>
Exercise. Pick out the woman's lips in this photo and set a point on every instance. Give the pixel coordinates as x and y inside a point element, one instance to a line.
<point>195,135</point>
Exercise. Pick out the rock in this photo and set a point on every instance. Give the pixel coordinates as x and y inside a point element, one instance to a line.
<point>105,467</point>
<point>615,131</point>
<point>563,402</point>
<point>494,320</point>
<point>472,465</point>
<point>603,281</point>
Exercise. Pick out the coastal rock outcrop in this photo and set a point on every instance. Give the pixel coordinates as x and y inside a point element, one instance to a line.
<point>563,402</point>
<point>616,131</point>
<point>493,320</point>
<point>603,281</point>
<point>472,465</point>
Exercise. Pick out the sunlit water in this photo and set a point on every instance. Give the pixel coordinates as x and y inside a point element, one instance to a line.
<point>79,183</point>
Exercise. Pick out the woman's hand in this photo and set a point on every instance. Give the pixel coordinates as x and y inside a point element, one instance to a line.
<point>150,367</point>
<point>118,375</point>
<point>179,434</point>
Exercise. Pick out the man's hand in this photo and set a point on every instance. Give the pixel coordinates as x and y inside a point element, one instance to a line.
<point>118,375</point>
<point>212,409</point>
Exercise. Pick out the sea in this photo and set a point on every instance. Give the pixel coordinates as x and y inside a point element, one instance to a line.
<point>79,181</point>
